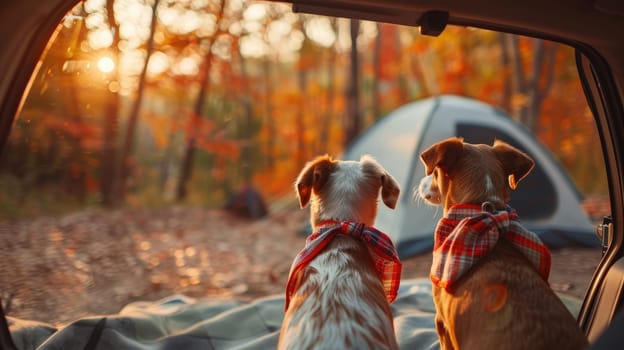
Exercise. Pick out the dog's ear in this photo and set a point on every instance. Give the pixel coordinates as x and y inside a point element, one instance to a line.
<point>313,176</point>
<point>443,154</point>
<point>516,164</point>
<point>389,190</point>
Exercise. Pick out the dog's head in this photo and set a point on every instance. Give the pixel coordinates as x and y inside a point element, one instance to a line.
<point>459,172</point>
<point>345,190</point>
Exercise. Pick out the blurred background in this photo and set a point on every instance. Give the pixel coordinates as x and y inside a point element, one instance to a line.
<point>157,147</point>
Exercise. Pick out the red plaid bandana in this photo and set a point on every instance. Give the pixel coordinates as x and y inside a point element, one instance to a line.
<point>379,245</point>
<point>468,233</point>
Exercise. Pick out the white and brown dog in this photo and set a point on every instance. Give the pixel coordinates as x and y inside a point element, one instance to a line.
<point>341,284</point>
<point>489,274</point>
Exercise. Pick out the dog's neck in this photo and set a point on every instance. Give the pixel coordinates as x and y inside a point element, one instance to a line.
<point>490,206</point>
<point>329,223</point>
<point>318,224</point>
<point>322,212</point>
<point>475,190</point>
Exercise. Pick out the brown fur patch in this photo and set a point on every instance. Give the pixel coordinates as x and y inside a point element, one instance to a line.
<point>313,177</point>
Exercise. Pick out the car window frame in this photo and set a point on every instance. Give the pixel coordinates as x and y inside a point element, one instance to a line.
<point>600,92</point>
<point>600,89</point>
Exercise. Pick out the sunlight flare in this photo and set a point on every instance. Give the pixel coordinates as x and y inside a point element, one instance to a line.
<point>106,64</point>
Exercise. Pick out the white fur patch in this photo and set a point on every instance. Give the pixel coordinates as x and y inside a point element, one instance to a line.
<point>490,190</point>
<point>345,198</point>
<point>425,192</point>
<point>489,185</point>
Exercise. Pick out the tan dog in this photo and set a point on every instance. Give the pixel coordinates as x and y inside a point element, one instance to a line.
<point>503,301</point>
<point>335,298</point>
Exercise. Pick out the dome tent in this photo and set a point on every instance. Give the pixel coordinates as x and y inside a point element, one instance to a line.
<point>546,200</point>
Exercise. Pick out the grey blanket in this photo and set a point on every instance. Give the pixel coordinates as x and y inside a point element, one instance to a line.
<point>179,322</point>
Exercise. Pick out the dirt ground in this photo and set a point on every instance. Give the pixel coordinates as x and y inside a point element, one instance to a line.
<point>56,270</point>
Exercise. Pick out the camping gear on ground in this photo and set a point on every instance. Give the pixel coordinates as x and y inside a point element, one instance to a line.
<point>547,201</point>
<point>247,203</point>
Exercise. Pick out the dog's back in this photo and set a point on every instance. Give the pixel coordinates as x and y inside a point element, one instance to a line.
<point>502,304</point>
<point>341,305</point>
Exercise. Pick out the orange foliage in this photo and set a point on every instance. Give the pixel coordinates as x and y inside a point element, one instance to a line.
<point>278,181</point>
<point>161,128</point>
<point>389,53</point>
<point>284,115</point>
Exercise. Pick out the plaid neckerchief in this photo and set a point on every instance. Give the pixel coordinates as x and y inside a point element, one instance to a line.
<point>379,246</point>
<point>468,233</point>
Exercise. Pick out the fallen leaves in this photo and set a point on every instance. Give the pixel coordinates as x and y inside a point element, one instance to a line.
<point>94,262</point>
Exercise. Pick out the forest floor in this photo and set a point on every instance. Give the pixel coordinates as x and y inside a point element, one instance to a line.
<point>57,269</point>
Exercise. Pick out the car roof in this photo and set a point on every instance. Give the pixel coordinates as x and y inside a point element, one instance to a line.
<point>595,24</point>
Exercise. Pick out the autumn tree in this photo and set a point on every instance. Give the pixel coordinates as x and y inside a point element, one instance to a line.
<point>352,121</point>
<point>332,61</point>
<point>111,116</point>
<point>131,123</point>
<point>389,82</point>
<point>76,182</point>
<point>530,63</point>
<point>251,92</point>
<point>186,167</point>
<point>247,125</point>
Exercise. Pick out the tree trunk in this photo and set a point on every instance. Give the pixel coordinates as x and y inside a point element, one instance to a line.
<point>111,119</point>
<point>76,177</point>
<point>300,156</point>
<point>352,122</point>
<point>270,123</point>
<point>529,94</point>
<point>506,65</point>
<point>186,168</point>
<point>129,140</point>
<point>416,66</point>
<point>165,163</point>
<point>543,66</point>
<point>331,92</point>
<point>247,132</point>
<point>402,80</point>
<point>377,73</point>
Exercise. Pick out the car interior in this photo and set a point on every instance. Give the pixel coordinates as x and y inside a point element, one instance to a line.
<point>148,150</point>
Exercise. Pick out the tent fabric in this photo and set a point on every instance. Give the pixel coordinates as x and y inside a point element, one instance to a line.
<point>179,322</point>
<point>546,200</point>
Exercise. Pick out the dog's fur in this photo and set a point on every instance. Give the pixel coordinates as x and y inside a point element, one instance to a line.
<point>339,302</point>
<point>502,302</point>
